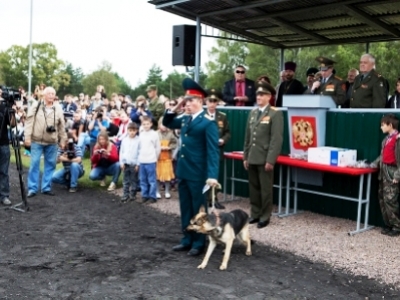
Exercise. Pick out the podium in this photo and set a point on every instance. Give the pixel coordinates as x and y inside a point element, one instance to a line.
<point>307,120</point>
<point>307,124</point>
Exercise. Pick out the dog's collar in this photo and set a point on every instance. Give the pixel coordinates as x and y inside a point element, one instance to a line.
<point>217,218</point>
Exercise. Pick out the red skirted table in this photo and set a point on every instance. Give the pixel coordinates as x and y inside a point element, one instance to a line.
<point>295,164</point>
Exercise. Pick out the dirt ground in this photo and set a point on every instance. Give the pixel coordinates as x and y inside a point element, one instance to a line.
<point>89,246</point>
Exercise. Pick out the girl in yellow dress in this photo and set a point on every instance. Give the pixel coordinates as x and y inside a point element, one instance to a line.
<point>165,170</point>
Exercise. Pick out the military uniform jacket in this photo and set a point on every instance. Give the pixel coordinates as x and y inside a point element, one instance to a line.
<point>369,92</point>
<point>223,130</point>
<point>156,107</point>
<point>264,136</point>
<point>334,87</point>
<point>199,154</point>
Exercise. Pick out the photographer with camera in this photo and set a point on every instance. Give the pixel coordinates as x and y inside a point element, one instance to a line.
<point>140,110</point>
<point>5,151</point>
<point>71,158</point>
<point>44,128</point>
<point>99,123</point>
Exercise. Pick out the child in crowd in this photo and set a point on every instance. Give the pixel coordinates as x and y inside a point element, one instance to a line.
<point>389,175</point>
<point>165,170</point>
<point>149,151</point>
<point>128,159</point>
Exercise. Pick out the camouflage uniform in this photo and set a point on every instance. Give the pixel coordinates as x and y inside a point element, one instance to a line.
<point>388,191</point>
<point>156,107</point>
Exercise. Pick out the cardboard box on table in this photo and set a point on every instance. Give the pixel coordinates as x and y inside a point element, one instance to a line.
<point>307,123</point>
<point>332,156</point>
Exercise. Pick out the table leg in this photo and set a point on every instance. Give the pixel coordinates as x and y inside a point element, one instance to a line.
<point>225,180</point>
<point>295,192</point>
<point>368,191</point>
<point>360,202</point>
<point>232,180</point>
<point>280,192</point>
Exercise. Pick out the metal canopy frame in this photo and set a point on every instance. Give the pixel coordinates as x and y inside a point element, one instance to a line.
<point>288,24</point>
<point>295,23</point>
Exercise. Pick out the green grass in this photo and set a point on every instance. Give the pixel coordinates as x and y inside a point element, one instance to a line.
<point>84,181</point>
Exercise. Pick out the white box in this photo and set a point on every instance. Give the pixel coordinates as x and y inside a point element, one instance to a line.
<point>332,156</point>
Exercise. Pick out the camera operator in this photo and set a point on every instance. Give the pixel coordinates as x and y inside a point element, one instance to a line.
<point>99,123</point>
<point>71,158</point>
<point>140,110</point>
<point>77,126</point>
<point>5,151</point>
<point>44,128</point>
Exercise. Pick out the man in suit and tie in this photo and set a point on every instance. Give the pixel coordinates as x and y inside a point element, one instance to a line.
<point>198,160</point>
<point>351,76</point>
<point>369,88</point>
<point>329,85</point>
<point>240,90</point>
<point>290,86</point>
<point>262,146</point>
<point>214,97</point>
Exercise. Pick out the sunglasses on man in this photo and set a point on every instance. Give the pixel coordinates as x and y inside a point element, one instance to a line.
<point>240,72</point>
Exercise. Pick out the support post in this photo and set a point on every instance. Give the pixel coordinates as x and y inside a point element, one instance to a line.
<point>282,62</point>
<point>198,50</point>
<point>367,47</point>
<point>30,55</point>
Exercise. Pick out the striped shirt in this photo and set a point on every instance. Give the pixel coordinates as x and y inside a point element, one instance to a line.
<point>78,153</point>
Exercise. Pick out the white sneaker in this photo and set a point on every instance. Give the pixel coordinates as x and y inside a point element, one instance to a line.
<point>6,201</point>
<point>167,195</point>
<point>111,187</point>
<point>103,183</point>
<point>158,195</point>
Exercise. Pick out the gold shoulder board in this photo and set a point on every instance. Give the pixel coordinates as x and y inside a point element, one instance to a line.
<point>274,108</point>
<point>222,113</point>
<point>338,78</point>
<point>208,117</point>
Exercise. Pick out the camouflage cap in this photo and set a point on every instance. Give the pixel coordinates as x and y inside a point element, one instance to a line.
<point>151,87</point>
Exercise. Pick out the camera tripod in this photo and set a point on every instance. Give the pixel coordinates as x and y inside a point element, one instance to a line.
<point>10,116</point>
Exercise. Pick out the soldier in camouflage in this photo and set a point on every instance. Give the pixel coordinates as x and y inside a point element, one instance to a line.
<point>389,175</point>
<point>156,107</point>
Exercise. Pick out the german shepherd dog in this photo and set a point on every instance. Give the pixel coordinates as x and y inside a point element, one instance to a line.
<point>222,228</point>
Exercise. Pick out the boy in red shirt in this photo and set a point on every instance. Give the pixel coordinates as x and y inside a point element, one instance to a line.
<point>389,175</point>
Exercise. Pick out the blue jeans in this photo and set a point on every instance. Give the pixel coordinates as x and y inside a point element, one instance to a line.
<point>99,173</point>
<point>50,160</point>
<point>4,178</point>
<point>148,180</point>
<point>83,141</point>
<point>76,171</point>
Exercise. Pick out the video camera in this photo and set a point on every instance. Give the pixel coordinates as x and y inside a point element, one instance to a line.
<point>70,149</point>
<point>10,95</point>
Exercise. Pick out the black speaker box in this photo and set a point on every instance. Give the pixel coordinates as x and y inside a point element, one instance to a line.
<point>183,45</point>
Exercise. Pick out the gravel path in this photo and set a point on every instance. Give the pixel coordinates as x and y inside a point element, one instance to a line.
<point>324,239</point>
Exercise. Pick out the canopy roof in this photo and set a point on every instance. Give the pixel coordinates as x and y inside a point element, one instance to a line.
<point>295,23</point>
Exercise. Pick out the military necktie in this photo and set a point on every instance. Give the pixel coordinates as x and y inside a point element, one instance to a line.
<point>189,120</point>
<point>259,114</point>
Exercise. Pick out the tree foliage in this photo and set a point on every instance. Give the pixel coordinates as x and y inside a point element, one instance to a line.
<point>224,57</point>
<point>47,68</point>
<point>104,76</point>
<point>75,85</point>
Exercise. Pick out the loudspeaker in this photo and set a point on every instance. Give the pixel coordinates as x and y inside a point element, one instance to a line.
<point>183,45</point>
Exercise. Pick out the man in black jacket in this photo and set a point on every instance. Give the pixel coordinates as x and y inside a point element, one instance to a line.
<point>289,87</point>
<point>239,91</point>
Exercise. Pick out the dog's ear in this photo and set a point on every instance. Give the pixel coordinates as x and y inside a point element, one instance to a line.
<point>202,209</point>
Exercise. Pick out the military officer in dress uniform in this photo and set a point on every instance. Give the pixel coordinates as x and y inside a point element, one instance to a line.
<point>262,146</point>
<point>329,84</point>
<point>369,88</point>
<point>198,160</point>
<point>214,97</point>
